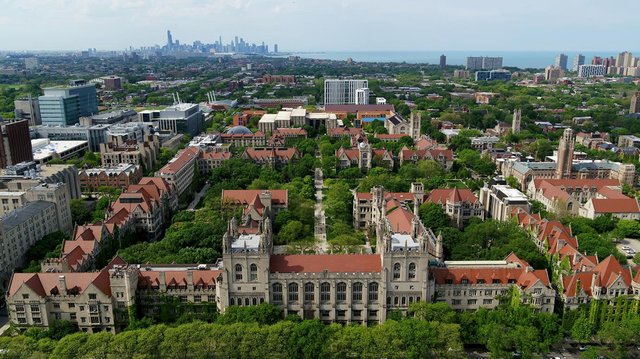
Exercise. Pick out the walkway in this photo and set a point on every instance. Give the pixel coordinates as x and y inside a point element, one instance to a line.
<point>197,197</point>
<point>320,228</point>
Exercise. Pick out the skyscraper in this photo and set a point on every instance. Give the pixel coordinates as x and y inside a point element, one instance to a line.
<point>577,62</point>
<point>561,61</point>
<point>443,61</point>
<point>484,63</point>
<point>625,59</point>
<point>597,60</point>
<point>169,39</point>
<point>341,92</point>
<point>275,48</point>
<point>635,103</point>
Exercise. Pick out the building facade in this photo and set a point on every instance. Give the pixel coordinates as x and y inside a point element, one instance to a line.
<point>342,92</point>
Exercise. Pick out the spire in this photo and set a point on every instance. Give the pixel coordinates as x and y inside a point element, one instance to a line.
<point>439,247</point>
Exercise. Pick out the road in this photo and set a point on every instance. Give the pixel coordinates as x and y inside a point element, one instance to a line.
<point>320,228</point>
<point>198,196</point>
<point>633,243</point>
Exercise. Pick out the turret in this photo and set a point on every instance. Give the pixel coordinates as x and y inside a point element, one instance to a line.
<point>439,248</point>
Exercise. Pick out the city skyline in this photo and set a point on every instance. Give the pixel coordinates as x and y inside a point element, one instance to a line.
<point>121,24</point>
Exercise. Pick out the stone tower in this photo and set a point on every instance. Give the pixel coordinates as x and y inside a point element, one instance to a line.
<point>565,154</point>
<point>417,189</point>
<point>515,125</point>
<point>415,121</point>
<point>365,153</point>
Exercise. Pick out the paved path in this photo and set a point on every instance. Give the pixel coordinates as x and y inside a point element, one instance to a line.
<point>196,199</point>
<point>631,243</point>
<point>320,227</point>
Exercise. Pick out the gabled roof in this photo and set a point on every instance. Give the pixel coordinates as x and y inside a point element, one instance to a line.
<point>454,195</point>
<point>629,205</point>
<point>572,284</point>
<point>45,284</point>
<point>264,154</point>
<point>609,270</point>
<point>333,263</point>
<point>278,196</point>
<point>180,160</point>
<point>401,220</point>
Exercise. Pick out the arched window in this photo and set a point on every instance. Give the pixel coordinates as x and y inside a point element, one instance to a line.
<point>238,272</point>
<point>569,206</point>
<point>232,301</point>
<point>276,290</point>
<point>388,300</point>
<point>396,271</point>
<point>373,291</point>
<point>395,300</point>
<point>410,300</point>
<point>246,301</point>
<point>254,301</point>
<point>253,272</point>
<point>412,271</point>
<point>309,290</point>
<point>325,292</point>
<point>341,291</point>
<point>404,300</point>
<point>293,292</point>
<point>356,291</point>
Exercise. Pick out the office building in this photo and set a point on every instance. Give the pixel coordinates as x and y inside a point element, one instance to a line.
<point>586,71</point>
<point>180,118</point>
<point>484,63</point>
<point>501,201</point>
<point>561,62</point>
<point>110,118</point>
<point>635,103</point>
<point>493,75</point>
<point>45,150</point>
<point>443,61</point>
<point>27,109</point>
<point>342,92</point>
<point>577,62</point>
<point>64,105</point>
<point>362,96</point>
<point>15,143</point>
<point>552,73</point>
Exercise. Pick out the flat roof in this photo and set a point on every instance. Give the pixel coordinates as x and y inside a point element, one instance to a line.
<point>400,241</point>
<point>43,147</point>
<point>268,117</point>
<point>248,241</point>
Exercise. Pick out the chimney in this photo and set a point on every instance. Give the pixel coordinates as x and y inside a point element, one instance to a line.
<point>63,284</point>
<point>190,279</point>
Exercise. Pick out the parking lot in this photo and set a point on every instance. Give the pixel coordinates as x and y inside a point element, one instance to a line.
<point>631,245</point>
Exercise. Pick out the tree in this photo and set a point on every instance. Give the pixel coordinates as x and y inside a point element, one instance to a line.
<point>433,216</point>
<point>79,212</point>
<point>433,312</point>
<point>582,329</point>
<point>291,232</point>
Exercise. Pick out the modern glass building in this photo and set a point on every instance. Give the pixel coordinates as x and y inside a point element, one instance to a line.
<point>65,104</point>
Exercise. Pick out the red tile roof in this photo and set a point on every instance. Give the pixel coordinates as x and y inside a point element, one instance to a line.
<point>180,160</point>
<point>151,278</point>
<point>264,154</point>
<point>629,205</point>
<point>609,270</point>
<point>454,195</point>
<point>44,284</point>
<point>333,263</point>
<point>241,196</point>
<point>344,131</point>
<point>400,220</point>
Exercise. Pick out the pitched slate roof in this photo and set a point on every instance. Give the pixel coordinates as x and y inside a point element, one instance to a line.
<point>333,263</point>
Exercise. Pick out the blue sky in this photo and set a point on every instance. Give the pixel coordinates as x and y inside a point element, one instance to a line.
<point>308,25</point>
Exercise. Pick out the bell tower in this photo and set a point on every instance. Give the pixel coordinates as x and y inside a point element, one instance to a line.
<point>565,154</point>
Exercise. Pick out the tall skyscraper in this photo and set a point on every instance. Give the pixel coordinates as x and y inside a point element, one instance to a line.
<point>561,61</point>
<point>625,59</point>
<point>565,154</point>
<point>275,48</point>
<point>635,103</point>
<point>63,105</point>
<point>578,61</point>
<point>341,92</point>
<point>15,143</point>
<point>597,60</point>
<point>169,39</point>
<point>443,61</point>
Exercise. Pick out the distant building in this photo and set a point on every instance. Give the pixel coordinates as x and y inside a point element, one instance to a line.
<point>180,169</point>
<point>459,204</point>
<point>144,153</point>
<point>110,118</point>
<point>15,143</point>
<point>561,62</point>
<point>586,71</point>
<point>112,83</point>
<point>443,61</point>
<point>461,74</point>
<point>577,62</point>
<point>342,92</point>
<point>552,73</point>
<point>64,105</point>
<point>28,109</point>
<point>635,103</point>
<point>500,75</point>
<point>181,118</point>
<point>45,150</point>
<point>484,63</point>
<point>31,63</point>
<point>29,174</point>
<point>516,123</point>
<point>397,125</point>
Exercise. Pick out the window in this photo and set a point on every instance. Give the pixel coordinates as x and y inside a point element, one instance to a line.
<point>472,301</point>
<point>72,305</point>
<point>197,299</point>
<point>93,308</point>
<point>56,305</point>
<point>107,320</point>
<point>92,296</point>
<point>487,292</point>
<point>464,281</point>
<point>25,296</point>
<point>357,313</point>
<point>373,292</point>
<point>456,302</point>
<point>395,301</point>
<point>95,320</point>
<point>309,289</point>
<point>73,316</point>
<point>487,301</point>
<point>412,270</point>
<point>232,301</point>
<point>293,292</point>
<point>57,316</point>
<point>19,308</point>
<point>373,313</point>
<point>325,292</point>
<point>238,272</point>
<point>356,291</point>
<point>37,320</point>
<point>83,319</point>
<point>35,308</point>
<point>253,272</point>
<point>341,313</point>
<point>341,291</point>
<point>183,298</point>
<point>276,288</point>
<point>496,281</point>
<point>396,271</point>
<point>212,298</point>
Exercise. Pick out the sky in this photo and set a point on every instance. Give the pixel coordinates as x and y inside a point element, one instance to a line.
<point>324,25</point>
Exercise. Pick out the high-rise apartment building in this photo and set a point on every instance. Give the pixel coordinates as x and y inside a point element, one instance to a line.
<point>552,73</point>
<point>64,105</point>
<point>597,60</point>
<point>635,103</point>
<point>343,92</point>
<point>443,61</point>
<point>561,61</point>
<point>484,63</point>
<point>625,59</point>
<point>577,62</point>
<point>586,71</point>
<point>15,143</point>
